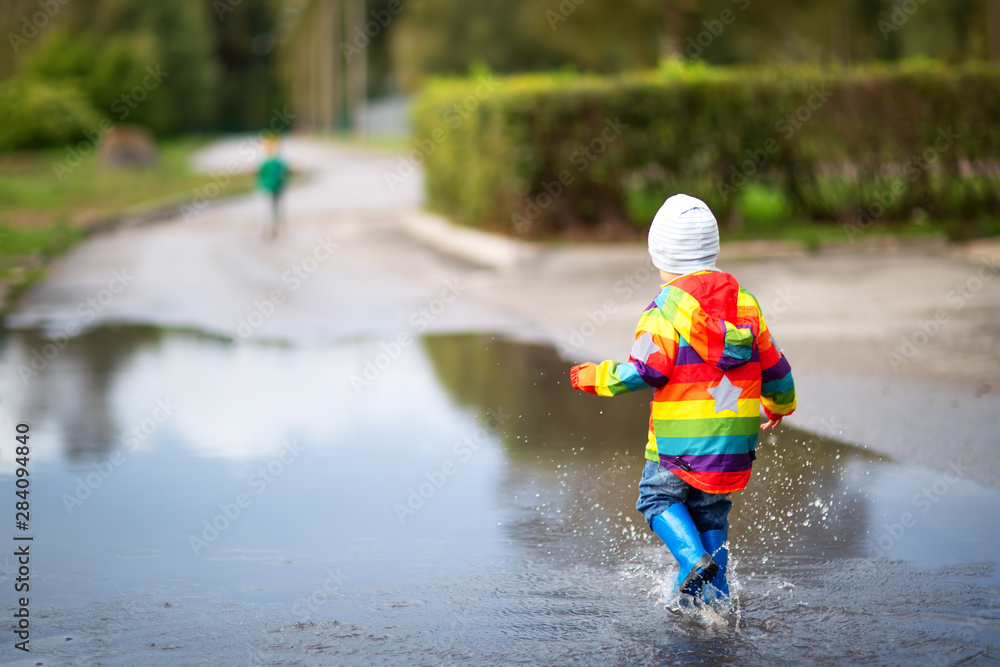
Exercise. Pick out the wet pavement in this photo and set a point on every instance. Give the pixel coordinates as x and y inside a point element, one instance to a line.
<point>198,502</point>
<point>895,349</point>
<point>341,447</point>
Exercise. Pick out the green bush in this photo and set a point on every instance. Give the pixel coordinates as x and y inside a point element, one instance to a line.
<point>763,207</point>
<point>35,114</point>
<point>545,153</point>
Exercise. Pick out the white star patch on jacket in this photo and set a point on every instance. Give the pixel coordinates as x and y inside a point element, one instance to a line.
<point>725,394</point>
<point>644,347</point>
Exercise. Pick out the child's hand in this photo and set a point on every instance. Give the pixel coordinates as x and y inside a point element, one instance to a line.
<point>772,424</point>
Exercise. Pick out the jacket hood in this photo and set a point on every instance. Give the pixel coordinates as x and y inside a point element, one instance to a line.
<point>709,311</point>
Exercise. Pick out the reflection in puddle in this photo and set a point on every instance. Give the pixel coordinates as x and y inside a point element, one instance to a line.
<point>195,501</point>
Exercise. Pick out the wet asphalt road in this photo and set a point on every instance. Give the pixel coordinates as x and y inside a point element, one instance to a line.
<point>897,351</point>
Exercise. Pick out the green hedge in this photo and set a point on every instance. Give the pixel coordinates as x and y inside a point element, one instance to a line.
<point>541,154</point>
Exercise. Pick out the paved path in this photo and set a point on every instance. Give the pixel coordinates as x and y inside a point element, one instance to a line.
<point>346,269</point>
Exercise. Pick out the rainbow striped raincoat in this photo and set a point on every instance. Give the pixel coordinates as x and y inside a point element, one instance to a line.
<point>703,347</point>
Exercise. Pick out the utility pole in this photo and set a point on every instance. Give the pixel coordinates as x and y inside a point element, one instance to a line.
<point>356,89</point>
<point>328,86</point>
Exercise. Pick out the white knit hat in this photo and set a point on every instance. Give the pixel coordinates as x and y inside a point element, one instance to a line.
<point>684,236</point>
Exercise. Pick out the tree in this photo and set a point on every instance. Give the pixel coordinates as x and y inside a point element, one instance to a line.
<point>172,37</point>
<point>249,86</point>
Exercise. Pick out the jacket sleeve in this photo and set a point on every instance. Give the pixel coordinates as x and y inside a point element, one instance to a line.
<point>649,365</point>
<point>777,389</point>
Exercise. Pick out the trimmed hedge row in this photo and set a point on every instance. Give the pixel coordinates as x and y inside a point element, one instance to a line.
<point>541,154</point>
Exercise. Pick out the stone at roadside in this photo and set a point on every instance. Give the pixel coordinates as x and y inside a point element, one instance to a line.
<point>128,145</point>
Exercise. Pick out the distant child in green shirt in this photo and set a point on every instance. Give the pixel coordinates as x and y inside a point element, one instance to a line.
<point>272,177</point>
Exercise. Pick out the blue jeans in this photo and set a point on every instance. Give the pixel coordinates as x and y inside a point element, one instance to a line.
<point>659,489</point>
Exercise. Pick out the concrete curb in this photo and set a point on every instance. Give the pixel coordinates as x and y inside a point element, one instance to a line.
<point>501,252</point>
<point>471,245</point>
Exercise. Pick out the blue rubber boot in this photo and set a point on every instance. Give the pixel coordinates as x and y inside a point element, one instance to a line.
<point>713,541</point>
<point>678,532</point>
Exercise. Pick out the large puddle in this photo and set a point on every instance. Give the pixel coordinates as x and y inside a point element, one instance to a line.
<point>454,502</point>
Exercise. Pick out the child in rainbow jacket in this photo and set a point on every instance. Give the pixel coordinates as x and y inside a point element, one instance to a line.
<point>703,348</point>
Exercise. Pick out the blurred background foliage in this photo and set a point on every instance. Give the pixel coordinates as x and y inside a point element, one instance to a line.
<point>217,74</point>
<point>68,66</point>
<point>229,63</point>
<point>445,36</point>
